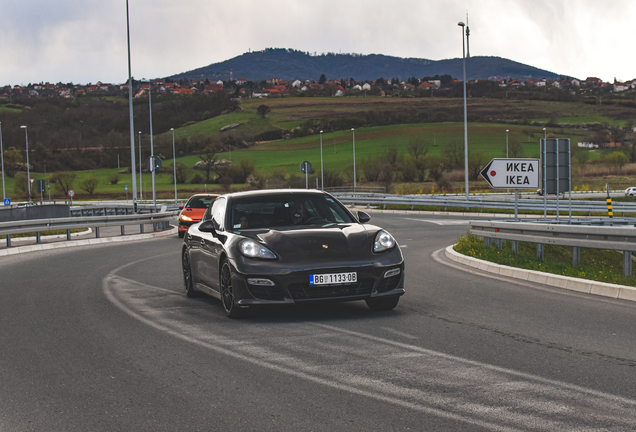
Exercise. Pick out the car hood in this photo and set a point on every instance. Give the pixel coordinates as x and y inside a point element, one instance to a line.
<point>309,240</point>
<point>194,213</point>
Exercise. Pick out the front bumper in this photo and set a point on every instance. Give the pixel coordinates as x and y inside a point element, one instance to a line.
<point>184,225</point>
<point>293,287</point>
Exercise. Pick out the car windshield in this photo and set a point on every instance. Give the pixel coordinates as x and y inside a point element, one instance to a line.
<point>200,202</point>
<point>282,210</point>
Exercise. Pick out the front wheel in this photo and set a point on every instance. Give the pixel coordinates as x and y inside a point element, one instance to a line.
<point>232,310</point>
<point>382,303</point>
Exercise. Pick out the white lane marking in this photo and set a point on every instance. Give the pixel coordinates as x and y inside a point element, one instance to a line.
<point>398,373</point>
<point>441,221</point>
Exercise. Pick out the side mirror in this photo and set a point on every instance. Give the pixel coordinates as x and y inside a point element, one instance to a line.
<point>363,217</point>
<point>207,226</point>
<point>180,207</point>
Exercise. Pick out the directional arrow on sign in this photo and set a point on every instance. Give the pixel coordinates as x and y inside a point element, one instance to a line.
<point>512,173</point>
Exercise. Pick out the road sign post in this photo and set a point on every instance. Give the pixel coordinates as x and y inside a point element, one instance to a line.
<point>305,168</point>
<point>71,194</point>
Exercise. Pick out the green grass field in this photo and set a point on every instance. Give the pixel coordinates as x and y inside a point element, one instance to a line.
<point>370,142</point>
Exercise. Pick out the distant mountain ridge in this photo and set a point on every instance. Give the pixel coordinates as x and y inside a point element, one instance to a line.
<point>290,64</point>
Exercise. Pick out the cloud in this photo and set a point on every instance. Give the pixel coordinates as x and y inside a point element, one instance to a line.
<point>85,40</point>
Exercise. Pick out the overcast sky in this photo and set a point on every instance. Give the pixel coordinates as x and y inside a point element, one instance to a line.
<point>84,41</point>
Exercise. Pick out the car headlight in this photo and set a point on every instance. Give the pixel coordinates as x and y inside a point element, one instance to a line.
<point>383,241</point>
<point>251,249</point>
<point>185,218</point>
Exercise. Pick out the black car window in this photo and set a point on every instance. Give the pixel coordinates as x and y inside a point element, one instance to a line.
<point>218,214</point>
<point>279,210</point>
<point>200,202</point>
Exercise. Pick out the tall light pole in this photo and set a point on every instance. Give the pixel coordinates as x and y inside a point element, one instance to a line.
<point>152,151</point>
<point>462,25</point>
<point>26,137</point>
<point>507,143</point>
<point>507,149</point>
<point>322,170</point>
<point>174,165</point>
<point>130,110</point>
<point>140,179</point>
<point>4,195</point>
<point>545,179</point>
<point>354,158</point>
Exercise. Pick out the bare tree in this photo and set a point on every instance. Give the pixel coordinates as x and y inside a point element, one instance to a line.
<point>89,184</point>
<point>208,156</point>
<point>454,151</point>
<point>63,181</point>
<point>262,110</point>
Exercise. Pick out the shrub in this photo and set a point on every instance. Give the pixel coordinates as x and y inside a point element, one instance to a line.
<point>113,178</point>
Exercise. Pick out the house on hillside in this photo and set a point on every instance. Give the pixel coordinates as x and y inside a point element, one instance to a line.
<point>592,82</point>
<point>183,91</point>
<point>212,88</point>
<point>619,87</point>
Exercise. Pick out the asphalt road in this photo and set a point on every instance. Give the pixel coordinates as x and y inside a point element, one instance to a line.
<point>101,338</point>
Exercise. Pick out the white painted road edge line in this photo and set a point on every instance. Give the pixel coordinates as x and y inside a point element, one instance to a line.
<point>85,242</point>
<point>573,284</point>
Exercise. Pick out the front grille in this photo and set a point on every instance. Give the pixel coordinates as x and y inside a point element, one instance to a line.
<point>309,292</point>
<point>388,284</point>
<point>266,292</point>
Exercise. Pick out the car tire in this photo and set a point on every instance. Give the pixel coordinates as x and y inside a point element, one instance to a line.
<point>187,275</point>
<point>181,234</point>
<point>228,300</point>
<point>382,303</point>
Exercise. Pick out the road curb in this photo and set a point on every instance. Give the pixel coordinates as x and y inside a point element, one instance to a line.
<point>621,292</point>
<point>87,242</point>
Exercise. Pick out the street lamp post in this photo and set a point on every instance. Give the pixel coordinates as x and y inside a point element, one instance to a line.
<point>140,178</point>
<point>130,111</point>
<point>152,151</point>
<point>4,195</point>
<point>507,143</point>
<point>26,137</point>
<point>354,158</point>
<point>508,190</point>
<point>174,165</point>
<point>543,166</point>
<point>462,25</point>
<point>322,170</point>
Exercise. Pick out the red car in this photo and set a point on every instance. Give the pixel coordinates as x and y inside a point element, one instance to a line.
<point>193,211</point>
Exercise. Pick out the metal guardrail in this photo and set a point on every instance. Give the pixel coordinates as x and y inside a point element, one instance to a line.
<point>483,203</point>
<point>356,189</point>
<point>118,209</point>
<point>608,234</point>
<point>158,220</point>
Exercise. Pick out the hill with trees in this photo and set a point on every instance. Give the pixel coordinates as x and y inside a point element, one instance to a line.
<point>290,64</point>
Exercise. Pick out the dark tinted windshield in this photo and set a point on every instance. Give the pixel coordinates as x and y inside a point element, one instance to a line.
<point>286,210</point>
<point>201,202</point>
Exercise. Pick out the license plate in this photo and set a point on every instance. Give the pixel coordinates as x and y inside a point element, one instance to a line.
<point>333,278</point>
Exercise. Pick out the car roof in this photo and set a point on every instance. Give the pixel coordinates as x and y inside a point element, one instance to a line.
<point>265,192</point>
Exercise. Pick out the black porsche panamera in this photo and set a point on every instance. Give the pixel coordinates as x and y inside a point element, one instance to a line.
<point>276,247</point>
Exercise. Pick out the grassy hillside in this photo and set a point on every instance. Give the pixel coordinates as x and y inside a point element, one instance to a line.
<point>489,119</point>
